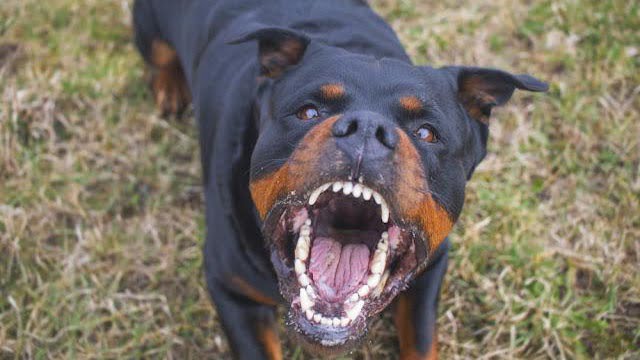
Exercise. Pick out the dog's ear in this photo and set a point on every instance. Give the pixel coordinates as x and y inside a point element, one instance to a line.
<point>278,48</point>
<point>480,89</point>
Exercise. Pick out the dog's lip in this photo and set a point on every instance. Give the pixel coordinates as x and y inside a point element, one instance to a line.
<point>330,336</point>
<point>327,336</point>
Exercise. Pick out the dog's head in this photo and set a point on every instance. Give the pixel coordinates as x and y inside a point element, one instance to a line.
<point>359,173</point>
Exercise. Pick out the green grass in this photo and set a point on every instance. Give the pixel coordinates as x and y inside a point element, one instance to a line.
<point>101,211</point>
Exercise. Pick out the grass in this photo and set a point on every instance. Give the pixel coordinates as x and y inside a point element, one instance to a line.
<point>101,210</point>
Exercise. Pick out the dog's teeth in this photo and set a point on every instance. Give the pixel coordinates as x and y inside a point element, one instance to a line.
<point>335,322</point>
<point>337,186</point>
<point>326,321</point>
<point>304,280</point>
<point>357,190</point>
<point>373,281</point>
<point>383,281</point>
<point>300,267</point>
<point>344,321</point>
<point>383,245</point>
<point>385,235</point>
<point>317,317</point>
<point>354,311</point>
<point>384,212</point>
<point>363,291</point>
<point>305,231</point>
<point>307,222</point>
<point>347,188</point>
<point>366,193</point>
<point>317,192</point>
<point>311,292</point>
<point>379,260</point>
<point>305,301</point>
<point>377,267</point>
<point>314,195</point>
<point>302,248</point>
<point>353,298</point>
<point>377,198</point>
<point>309,313</point>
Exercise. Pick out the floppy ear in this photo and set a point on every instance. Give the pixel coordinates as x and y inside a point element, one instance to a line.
<point>278,48</point>
<point>480,89</point>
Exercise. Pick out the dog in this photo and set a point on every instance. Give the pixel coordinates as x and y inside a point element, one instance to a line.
<point>334,169</point>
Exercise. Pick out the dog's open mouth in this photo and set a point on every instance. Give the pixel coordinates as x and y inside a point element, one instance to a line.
<point>341,257</point>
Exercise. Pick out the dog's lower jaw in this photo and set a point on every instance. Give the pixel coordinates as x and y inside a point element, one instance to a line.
<point>340,259</point>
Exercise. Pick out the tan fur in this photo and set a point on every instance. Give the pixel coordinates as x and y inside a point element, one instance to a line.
<point>412,195</point>
<point>168,84</point>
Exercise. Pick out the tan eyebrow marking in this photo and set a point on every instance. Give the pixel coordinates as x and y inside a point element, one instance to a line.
<point>411,104</point>
<point>332,91</point>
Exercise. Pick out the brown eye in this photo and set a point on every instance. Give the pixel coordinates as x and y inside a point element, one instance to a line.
<point>307,112</point>
<point>426,133</point>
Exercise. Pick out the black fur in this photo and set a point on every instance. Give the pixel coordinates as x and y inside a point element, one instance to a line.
<point>247,129</point>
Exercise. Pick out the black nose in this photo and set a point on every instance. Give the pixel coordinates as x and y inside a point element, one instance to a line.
<point>365,131</point>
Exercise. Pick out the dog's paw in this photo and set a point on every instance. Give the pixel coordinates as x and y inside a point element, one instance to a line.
<point>168,82</point>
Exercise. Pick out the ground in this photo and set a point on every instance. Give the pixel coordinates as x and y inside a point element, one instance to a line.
<point>101,220</point>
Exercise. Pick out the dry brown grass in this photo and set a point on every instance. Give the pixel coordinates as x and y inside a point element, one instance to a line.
<point>101,212</point>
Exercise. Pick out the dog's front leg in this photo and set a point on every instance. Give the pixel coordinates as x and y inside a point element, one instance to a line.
<point>417,311</point>
<point>250,325</point>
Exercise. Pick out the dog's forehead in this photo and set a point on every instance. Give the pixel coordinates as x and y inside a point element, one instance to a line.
<point>357,75</point>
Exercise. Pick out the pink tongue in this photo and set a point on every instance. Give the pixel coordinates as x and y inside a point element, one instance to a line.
<point>337,270</point>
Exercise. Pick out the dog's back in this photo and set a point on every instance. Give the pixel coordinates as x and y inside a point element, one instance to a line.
<point>189,25</point>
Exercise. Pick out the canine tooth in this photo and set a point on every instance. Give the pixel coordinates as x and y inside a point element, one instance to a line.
<point>366,193</point>
<point>378,290</point>
<point>357,190</point>
<point>317,317</point>
<point>309,314</point>
<point>335,322</point>
<point>373,280</point>
<point>363,291</point>
<point>325,321</point>
<point>299,266</point>
<point>354,311</point>
<point>302,248</point>
<point>304,280</point>
<point>307,222</point>
<point>353,298</point>
<point>347,188</point>
<point>305,301</point>
<point>379,260</point>
<point>337,186</point>
<point>385,235</point>
<point>344,321</point>
<point>377,198</point>
<point>384,212</point>
<point>314,195</point>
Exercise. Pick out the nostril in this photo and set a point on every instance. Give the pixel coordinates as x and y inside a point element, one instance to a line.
<point>380,134</point>
<point>353,127</point>
<point>345,128</point>
<point>385,137</point>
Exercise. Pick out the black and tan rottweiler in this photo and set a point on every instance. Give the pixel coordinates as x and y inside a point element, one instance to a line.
<point>333,167</point>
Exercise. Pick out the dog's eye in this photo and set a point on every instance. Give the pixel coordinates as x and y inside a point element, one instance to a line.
<point>307,112</point>
<point>426,133</point>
